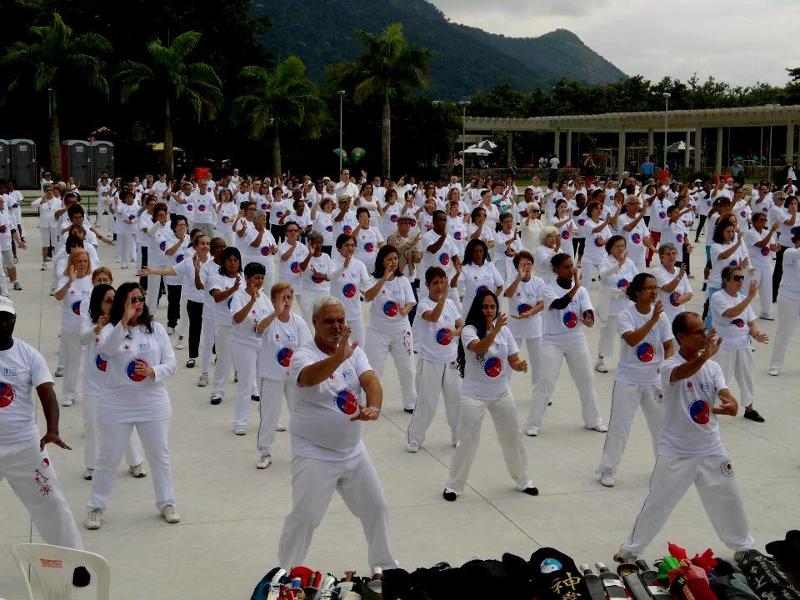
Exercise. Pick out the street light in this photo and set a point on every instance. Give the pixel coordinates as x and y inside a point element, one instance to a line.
<point>666,124</point>
<point>341,123</point>
<point>463,103</point>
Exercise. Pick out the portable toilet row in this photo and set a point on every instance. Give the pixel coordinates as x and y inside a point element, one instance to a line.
<point>18,163</point>
<point>84,161</point>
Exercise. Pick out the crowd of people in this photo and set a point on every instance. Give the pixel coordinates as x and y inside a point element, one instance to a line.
<point>301,290</point>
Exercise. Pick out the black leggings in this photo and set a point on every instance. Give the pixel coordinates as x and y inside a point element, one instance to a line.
<point>143,280</point>
<point>578,245</point>
<point>700,227</point>
<point>685,256</point>
<point>777,274</point>
<point>195,312</point>
<point>173,305</point>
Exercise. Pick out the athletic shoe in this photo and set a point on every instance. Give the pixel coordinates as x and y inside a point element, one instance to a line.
<point>255,398</point>
<point>766,317</point>
<point>95,519</point>
<point>16,260</point>
<point>607,479</point>
<point>170,515</point>
<point>531,491</point>
<point>190,363</point>
<point>17,286</point>
<point>216,398</point>
<point>180,345</point>
<point>44,266</point>
<point>170,330</point>
<point>449,495</point>
<point>59,372</point>
<point>202,381</point>
<point>532,431</point>
<point>280,427</point>
<point>600,366</point>
<point>68,401</point>
<point>771,371</point>
<point>412,447</point>
<point>599,428</point>
<point>752,414</point>
<point>263,462</point>
<point>623,556</point>
<point>87,474</point>
<point>235,376</point>
<point>137,471</point>
<point>240,430</point>
<point>409,410</point>
<point>455,443</point>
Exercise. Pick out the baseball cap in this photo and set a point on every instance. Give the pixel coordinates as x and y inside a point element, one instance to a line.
<point>698,181</point>
<point>7,306</point>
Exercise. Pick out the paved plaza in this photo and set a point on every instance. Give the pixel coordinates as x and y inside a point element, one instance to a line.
<point>232,513</point>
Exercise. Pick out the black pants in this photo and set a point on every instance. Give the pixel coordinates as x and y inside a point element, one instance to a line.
<point>415,289</point>
<point>143,280</point>
<point>279,233</point>
<point>327,250</point>
<point>578,245</point>
<point>684,259</point>
<point>195,312</point>
<point>700,227</point>
<point>777,274</point>
<point>173,305</point>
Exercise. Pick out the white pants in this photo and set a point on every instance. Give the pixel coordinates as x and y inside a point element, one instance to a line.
<point>102,209</point>
<point>401,346</point>
<point>313,484</point>
<point>739,364</point>
<point>244,361</point>
<point>114,438</point>
<point>625,400</point>
<point>153,285</point>
<point>433,378</point>
<point>133,453</point>
<point>126,247</point>
<point>31,475</point>
<point>222,370</point>
<point>534,346</point>
<point>580,368</point>
<point>209,332</point>
<point>716,485</point>
<point>72,353</point>
<point>589,270</point>
<point>608,336</point>
<point>272,393</point>
<point>788,315</point>
<point>183,320</point>
<point>356,331</point>
<point>504,415</point>
<point>762,275</point>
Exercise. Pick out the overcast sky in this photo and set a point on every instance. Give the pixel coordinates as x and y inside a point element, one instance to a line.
<point>740,42</point>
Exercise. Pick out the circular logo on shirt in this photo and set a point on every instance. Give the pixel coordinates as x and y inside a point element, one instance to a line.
<point>444,336</point>
<point>131,370</point>
<point>229,301</point>
<point>444,258</point>
<point>101,363</point>
<point>743,214</point>
<point>493,367</point>
<point>279,214</point>
<point>225,219</point>
<point>265,251</point>
<point>565,234</point>
<point>131,218</point>
<point>284,356</point>
<point>673,299</point>
<point>662,214</point>
<point>700,412</point>
<point>581,222</point>
<point>599,241</point>
<point>734,263</point>
<point>481,289</point>
<point>347,229</point>
<point>179,258</point>
<point>202,208</point>
<point>318,278</point>
<point>349,290</point>
<point>294,267</point>
<point>645,352</point>
<point>457,235</point>
<point>329,228</point>
<point>622,284</point>
<point>570,319</point>
<point>45,462</point>
<point>523,308</point>
<point>162,246</point>
<point>6,395</point>
<point>347,402</point>
<point>390,308</point>
<point>189,207</point>
<point>264,206</point>
<point>76,308</point>
<point>738,323</point>
<point>764,251</point>
<point>636,238</point>
<point>679,238</point>
<point>369,247</point>
<point>393,218</point>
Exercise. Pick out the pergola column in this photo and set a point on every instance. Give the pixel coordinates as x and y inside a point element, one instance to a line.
<point>651,145</point>
<point>698,149</point>
<point>510,145</point>
<point>789,141</point>
<point>568,159</point>
<point>718,163</point>
<point>557,143</point>
<point>621,153</point>
<point>688,145</point>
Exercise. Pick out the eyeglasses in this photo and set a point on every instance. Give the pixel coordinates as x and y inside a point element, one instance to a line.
<point>136,299</point>
<point>737,277</point>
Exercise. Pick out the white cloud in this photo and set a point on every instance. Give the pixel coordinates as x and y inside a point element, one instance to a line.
<point>742,43</point>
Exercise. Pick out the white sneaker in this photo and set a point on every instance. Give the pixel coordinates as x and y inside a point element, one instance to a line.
<point>59,372</point>
<point>280,427</point>
<point>87,474</point>
<point>180,345</point>
<point>240,430</point>
<point>170,515</point>
<point>600,428</point>
<point>600,366</point>
<point>137,471</point>
<point>17,286</point>
<point>95,519</point>
<point>773,371</point>
<point>170,330</point>
<point>263,462</point>
<point>532,431</point>
<point>623,556</point>
<point>44,266</point>
<point>202,381</point>
<point>68,401</point>
<point>607,479</point>
<point>412,447</point>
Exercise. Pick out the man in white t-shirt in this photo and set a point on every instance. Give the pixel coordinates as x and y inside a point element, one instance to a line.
<point>345,187</point>
<point>335,390</point>
<point>690,446</point>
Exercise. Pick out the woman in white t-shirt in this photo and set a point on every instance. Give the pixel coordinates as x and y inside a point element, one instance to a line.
<point>727,249</point>
<point>760,248</point>
<point>596,233</point>
<point>368,239</point>
<point>478,272</point>
<point>322,222</point>
<point>291,253</point>
<point>315,281</point>
<point>788,305</point>
<point>735,322</point>
<point>508,244</point>
<point>348,283</point>
<point>674,287</point>
<point>549,245</point>
<point>566,228</point>
<point>487,353</point>
<point>646,341</point>
<point>478,228</point>
<point>616,274</point>
<point>72,290</point>
<point>227,211</point>
<point>389,331</point>
<point>457,225</point>
<point>222,284</point>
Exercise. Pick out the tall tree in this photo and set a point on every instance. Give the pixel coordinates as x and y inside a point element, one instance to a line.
<point>387,67</point>
<point>55,59</point>
<point>170,80</point>
<point>286,97</point>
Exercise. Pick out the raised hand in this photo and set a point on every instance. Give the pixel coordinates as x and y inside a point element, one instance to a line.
<point>712,344</point>
<point>728,405</point>
<point>752,290</point>
<point>238,283</point>
<point>345,349</point>
<point>502,320</point>
<point>658,309</point>
<point>578,276</point>
<point>52,438</point>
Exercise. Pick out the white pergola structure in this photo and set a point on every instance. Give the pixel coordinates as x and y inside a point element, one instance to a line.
<point>690,121</point>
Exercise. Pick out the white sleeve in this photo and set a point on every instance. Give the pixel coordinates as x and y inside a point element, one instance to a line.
<point>301,359</point>
<point>498,279</point>
<point>468,335</point>
<point>584,302</point>
<point>166,367</point>
<point>39,372</point>
<point>509,339</point>
<point>408,292</point>
<point>625,323</point>
<point>665,328</point>
<point>360,362</point>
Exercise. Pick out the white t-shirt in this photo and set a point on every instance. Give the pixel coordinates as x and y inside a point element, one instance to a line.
<point>185,274</point>
<point>658,214</point>
<point>527,295</point>
<point>6,226</point>
<point>503,262</point>
<point>676,234</point>
<point>203,207</point>
<point>595,249</point>
<point>22,370</point>
<point>385,307</point>
<point>347,285</point>
<point>638,365</point>
<point>564,327</point>
<point>690,428</point>
<point>219,282</point>
<point>478,277</point>
<point>487,375</point>
<point>367,246</point>
<point>289,269</point>
<point>323,223</point>
<point>670,300</point>
<point>634,239</point>
<point>735,332</point>
<point>245,332</point>
<point>542,266</point>
<point>281,341</point>
<point>435,341</point>
<point>95,364</point>
<point>127,218</point>
<point>73,302</point>
<point>442,258</point>
<point>313,284</point>
<point>207,272</point>
<point>789,288</point>
<point>617,278</point>
<point>717,264</point>
<point>759,257</point>
<point>320,425</point>
<point>227,215</point>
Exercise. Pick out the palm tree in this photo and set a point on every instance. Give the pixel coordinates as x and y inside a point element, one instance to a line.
<point>388,66</point>
<point>285,97</point>
<point>52,56</point>
<point>170,80</point>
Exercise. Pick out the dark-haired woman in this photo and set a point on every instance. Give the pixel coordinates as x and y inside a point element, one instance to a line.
<point>389,331</point>
<point>727,249</point>
<point>221,286</point>
<point>347,284</point>
<point>646,341</point>
<point>477,272</point>
<point>139,361</point>
<point>596,232</point>
<point>96,316</point>
<point>487,353</point>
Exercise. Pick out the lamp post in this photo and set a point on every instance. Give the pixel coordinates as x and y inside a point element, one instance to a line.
<point>463,103</point>
<point>341,123</point>
<point>666,124</point>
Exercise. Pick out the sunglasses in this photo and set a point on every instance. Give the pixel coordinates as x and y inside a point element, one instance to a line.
<point>136,299</point>
<point>737,277</point>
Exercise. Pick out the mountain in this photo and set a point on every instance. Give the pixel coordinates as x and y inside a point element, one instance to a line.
<point>465,59</point>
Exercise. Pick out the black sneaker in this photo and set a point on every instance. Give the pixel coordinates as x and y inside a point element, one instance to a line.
<point>449,495</point>
<point>753,415</point>
<point>255,398</point>
<point>409,410</point>
<point>81,577</point>
<point>531,491</point>
<point>216,399</point>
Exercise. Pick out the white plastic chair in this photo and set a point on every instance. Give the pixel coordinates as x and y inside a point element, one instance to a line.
<point>54,565</point>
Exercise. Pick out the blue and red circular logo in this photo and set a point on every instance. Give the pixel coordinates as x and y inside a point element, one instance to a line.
<point>765,251</point>
<point>679,238</point>
<point>481,289</point>
<point>131,370</point>
<point>700,412</point>
<point>264,206</point>
<point>347,229</point>
<point>636,238</point>
<point>6,395</point>
<point>390,308</point>
<point>673,299</point>
<point>581,222</point>
<point>743,214</point>
<point>523,308</point>
<point>225,219</point>
<point>189,207</point>
<point>493,367</point>
<point>734,263</point>
<point>738,323</point>
<point>599,241</point>
<point>265,251</point>
<point>202,208</point>
<point>284,356</point>
<point>645,352</point>
<point>349,290</point>
<point>162,246</point>
<point>457,235</point>
<point>76,308</point>
<point>369,247</point>
<point>444,258</point>
<point>565,234</point>
<point>570,319</point>
<point>294,267</point>
<point>393,218</point>
<point>329,228</point>
<point>622,284</point>
<point>131,218</point>
<point>662,214</point>
<point>279,214</point>
<point>179,258</point>
<point>347,402</point>
<point>101,363</point>
<point>444,336</point>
